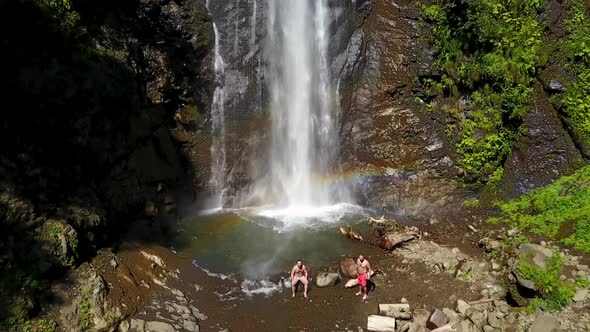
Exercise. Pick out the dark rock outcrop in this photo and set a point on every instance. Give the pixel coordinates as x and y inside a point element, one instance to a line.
<point>403,150</point>
<point>543,153</point>
<point>103,94</point>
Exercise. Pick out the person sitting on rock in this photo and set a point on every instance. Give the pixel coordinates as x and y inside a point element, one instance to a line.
<point>363,270</point>
<point>299,273</point>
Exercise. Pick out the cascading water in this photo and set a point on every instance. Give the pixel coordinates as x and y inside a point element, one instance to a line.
<point>304,142</point>
<point>217,182</point>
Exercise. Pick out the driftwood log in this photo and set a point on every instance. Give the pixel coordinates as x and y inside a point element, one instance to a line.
<point>381,323</point>
<point>350,233</point>
<point>383,226</point>
<point>398,310</point>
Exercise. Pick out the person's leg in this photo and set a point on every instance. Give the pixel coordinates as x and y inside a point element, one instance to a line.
<point>304,281</point>
<point>293,285</point>
<point>364,292</point>
<point>360,286</point>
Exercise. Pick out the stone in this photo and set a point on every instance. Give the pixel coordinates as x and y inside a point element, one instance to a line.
<point>421,316</point>
<point>493,245</point>
<point>541,254</point>
<point>462,307</point>
<point>580,295</point>
<point>156,326</point>
<point>137,325</point>
<point>523,282</point>
<point>466,326</point>
<point>348,268</point>
<point>404,328</point>
<point>512,232</point>
<point>436,319</point>
<point>455,250</point>
<point>545,323</point>
<point>396,238</point>
<point>555,86</point>
<point>510,318</point>
<point>123,326</point>
<point>380,323</point>
<point>351,283</point>
<point>487,328</point>
<point>581,267</point>
<point>494,321</point>
<point>479,318</point>
<point>190,326</point>
<point>495,266</point>
<point>403,300</point>
<point>325,279</point>
<point>453,316</point>
<point>444,328</point>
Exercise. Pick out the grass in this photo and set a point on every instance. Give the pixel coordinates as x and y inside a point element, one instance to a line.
<point>560,211</point>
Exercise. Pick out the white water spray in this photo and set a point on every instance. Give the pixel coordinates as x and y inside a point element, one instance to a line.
<point>304,142</point>
<point>217,182</point>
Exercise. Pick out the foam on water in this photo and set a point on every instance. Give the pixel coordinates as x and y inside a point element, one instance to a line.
<point>301,216</point>
<point>260,287</point>
<point>212,274</point>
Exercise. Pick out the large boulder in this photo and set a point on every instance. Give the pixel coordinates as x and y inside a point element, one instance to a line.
<point>326,279</point>
<point>545,323</point>
<point>348,268</point>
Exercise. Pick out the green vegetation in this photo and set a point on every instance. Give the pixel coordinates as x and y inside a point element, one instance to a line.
<point>582,282</point>
<point>575,51</point>
<point>86,317</point>
<point>560,210</point>
<point>488,55</point>
<point>555,294</point>
<point>39,325</point>
<point>65,18</point>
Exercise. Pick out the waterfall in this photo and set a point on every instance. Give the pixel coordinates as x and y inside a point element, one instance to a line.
<point>217,182</point>
<point>304,143</point>
<point>253,24</point>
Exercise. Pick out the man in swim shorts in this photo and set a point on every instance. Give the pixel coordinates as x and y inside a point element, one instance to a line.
<point>299,273</point>
<point>363,271</point>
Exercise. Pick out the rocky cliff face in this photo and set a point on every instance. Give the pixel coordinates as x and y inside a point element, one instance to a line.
<point>402,153</point>
<point>384,131</point>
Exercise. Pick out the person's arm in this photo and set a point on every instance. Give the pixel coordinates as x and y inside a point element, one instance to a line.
<point>305,271</point>
<point>292,273</point>
<point>368,270</point>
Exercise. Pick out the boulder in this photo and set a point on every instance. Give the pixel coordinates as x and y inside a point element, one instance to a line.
<point>159,326</point>
<point>462,307</point>
<point>453,316</point>
<point>348,268</point>
<point>351,283</point>
<point>436,319</point>
<point>580,295</point>
<point>421,316</point>
<point>325,279</point>
<point>545,323</point>
<point>394,239</point>
<point>380,323</point>
<point>540,254</point>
